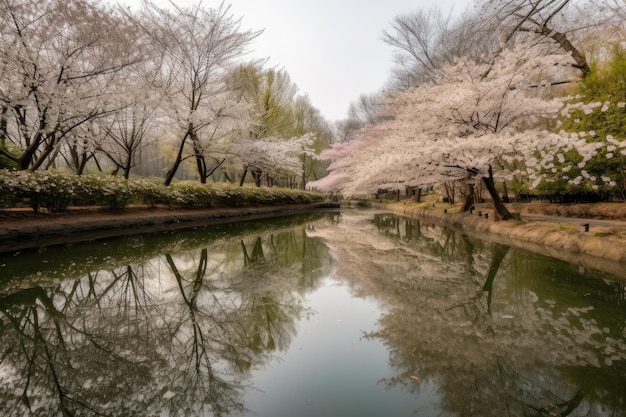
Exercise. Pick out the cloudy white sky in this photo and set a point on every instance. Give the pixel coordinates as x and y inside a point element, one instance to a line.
<point>330,48</point>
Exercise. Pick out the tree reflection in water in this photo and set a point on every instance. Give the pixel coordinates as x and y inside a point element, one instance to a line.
<point>175,331</point>
<point>176,323</point>
<point>497,330</point>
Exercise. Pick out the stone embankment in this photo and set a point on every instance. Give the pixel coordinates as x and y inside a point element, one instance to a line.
<point>602,246</point>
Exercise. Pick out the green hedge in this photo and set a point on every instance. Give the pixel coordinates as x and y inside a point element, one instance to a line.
<point>56,191</point>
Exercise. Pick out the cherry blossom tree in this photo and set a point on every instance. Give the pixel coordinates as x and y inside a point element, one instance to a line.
<point>476,115</point>
<point>599,110</point>
<point>269,95</point>
<point>195,49</point>
<point>59,68</point>
<point>561,23</point>
<point>307,121</point>
<point>275,156</point>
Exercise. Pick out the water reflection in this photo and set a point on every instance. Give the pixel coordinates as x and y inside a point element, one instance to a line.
<point>175,330</point>
<point>182,323</point>
<point>500,330</point>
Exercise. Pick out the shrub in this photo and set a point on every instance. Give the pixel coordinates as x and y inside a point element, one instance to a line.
<point>186,194</point>
<point>55,191</point>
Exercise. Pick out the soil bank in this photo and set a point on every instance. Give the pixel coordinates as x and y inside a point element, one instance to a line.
<point>21,230</point>
<point>602,247</point>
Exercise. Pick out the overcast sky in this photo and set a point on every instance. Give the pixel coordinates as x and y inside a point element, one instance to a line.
<point>330,48</point>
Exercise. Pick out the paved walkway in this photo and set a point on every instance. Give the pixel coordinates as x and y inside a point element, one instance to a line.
<point>562,219</point>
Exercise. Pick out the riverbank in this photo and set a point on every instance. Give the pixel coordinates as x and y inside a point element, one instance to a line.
<point>601,246</point>
<point>24,229</point>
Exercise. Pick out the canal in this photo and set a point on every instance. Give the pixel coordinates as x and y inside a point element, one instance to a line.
<point>352,313</point>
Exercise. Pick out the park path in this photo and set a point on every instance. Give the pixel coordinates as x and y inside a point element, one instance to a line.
<point>562,219</point>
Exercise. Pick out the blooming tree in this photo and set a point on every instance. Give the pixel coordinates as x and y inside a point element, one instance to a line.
<point>599,110</point>
<point>275,156</point>
<point>278,129</point>
<point>194,50</point>
<point>475,116</point>
<point>59,68</point>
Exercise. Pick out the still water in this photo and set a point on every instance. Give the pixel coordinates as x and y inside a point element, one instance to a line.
<point>357,313</point>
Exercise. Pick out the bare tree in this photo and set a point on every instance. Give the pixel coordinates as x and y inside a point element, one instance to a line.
<point>125,134</point>
<point>543,18</point>
<point>367,110</point>
<point>424,41</point>
<point>417,39</point>
<point>78,148</point>
<point>619,7</point>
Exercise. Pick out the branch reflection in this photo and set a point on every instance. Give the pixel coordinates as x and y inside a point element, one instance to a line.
<point>479,323</point>
<point>177,330</point>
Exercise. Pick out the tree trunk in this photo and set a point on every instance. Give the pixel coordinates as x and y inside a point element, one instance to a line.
<point>505,197</point>
<point>24,160</point>
<point>303,172</point>
<point>128,165</point>
<point>126,173</point>
<point>499,253</point>
<point>567,46</point>
<point>257,175</point>
<point>83,164</point>
<point>200,161</point>
<point>501,210</point>
<point>469,196</point>
<point>179,157</point>
<point>215,168</point>
<point>450,191</point>
<point>3,127</point>
<point>243,177</point>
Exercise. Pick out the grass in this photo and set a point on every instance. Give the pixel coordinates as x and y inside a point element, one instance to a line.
<point>567,228</point>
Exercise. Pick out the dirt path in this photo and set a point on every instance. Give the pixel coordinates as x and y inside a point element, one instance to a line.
<point>617,224</point>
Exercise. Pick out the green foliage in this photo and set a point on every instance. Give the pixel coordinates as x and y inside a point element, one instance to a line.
<point>5,162</point>
<point>277,111</point>
<point>601,119</point>
<point>271,94</point>
<point>56,191</point>
<point>606,86</point>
